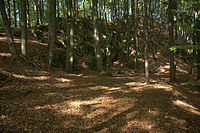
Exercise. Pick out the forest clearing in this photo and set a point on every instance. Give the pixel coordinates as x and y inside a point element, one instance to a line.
<point>99,66</point>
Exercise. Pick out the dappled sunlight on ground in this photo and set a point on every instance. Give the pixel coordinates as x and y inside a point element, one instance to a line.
<point>5,54</point>
<point>164,69</point>
<point>33,100</point>
<point>186,106</point>
<point>30,78</point>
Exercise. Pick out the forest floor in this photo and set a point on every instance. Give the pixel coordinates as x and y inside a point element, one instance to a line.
<point>43,100</point>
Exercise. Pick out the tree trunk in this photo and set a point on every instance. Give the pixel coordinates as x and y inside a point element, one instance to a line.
<point>58,9</point>
<point>41,12</point>
<point>6,26</point>
<point>23,28</point>
<point>15,15</point>
<point>197,38</point>
<point>127,29</point>
<point>36,19</point>
<point>108,53</point>
<point>98,52</point>
<point>52,30</point>
<point>19,12</point>
<point>171,40</point>
<point>28,14</point>
<point>9,13</point>
<point>135,25</point>
<point>70,34</point>
<point>146,43</point>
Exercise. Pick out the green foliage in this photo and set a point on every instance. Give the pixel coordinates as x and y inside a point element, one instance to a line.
<point>191,83</point>
<point>107,73</point>
<point>192,29</point>
<point>152,71</point>
<point>119,72</point>
<point>91,62</point>
<point>184,47</point>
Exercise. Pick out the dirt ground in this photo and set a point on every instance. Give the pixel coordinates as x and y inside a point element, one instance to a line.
<point>51,101</point>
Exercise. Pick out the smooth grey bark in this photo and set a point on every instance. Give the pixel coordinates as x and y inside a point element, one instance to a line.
<point>108,53</point>
<point>36,19</point>
<point>9,13</point>
<point>19,12</point>
<point>51,30</point>
<point>146,38</point>
<point>23,28</point>
<point>70,35</point>
<point>15,14</point>
<point>28,14</point>
<point>6,26</point>
<point>98,52</point>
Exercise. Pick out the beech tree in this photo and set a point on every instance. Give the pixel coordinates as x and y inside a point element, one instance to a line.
<point>51,30</point>
<point>171,39</point>
<point>23,28</point>
<point>69,49</point>
<point>98,52</point>
<point>146,39</point>
<point>6,26</point>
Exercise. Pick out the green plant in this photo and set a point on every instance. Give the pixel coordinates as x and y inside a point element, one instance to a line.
<point>191,83</point>
<point>107,73</point>
<point>119,72</point>
<point>152,71</point>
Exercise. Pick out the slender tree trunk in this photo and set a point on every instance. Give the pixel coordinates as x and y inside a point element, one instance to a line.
<point>171,41</point>
<point>23,28</point>
<point>6,26</point>
<point>1,23</point>
<point>15,14</point>
<point>134,29</point>
<point>119,8</point>
<point>127,29</point>
<point>98,52</point>
<point>111,9</point>
<point>69,50</point>
<point>77,7</point>
<point>100,3</point>
<point>84,8</point>
<point>28,14</point>
<point>196,37</point>
<point>52,30</point>
<point>36,19</point>
<point>41,12</point>
<point>75,11</point>
<point>115,9</point>
<point>146,42</point>
<point>9,13</point>
<point>19,12</point>
<point>108,53</point>
<point>58,9</point>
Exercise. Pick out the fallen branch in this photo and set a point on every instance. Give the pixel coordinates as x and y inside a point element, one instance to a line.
<point>29,61</point>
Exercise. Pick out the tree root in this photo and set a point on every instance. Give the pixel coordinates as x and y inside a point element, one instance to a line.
<point>25,59</point>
